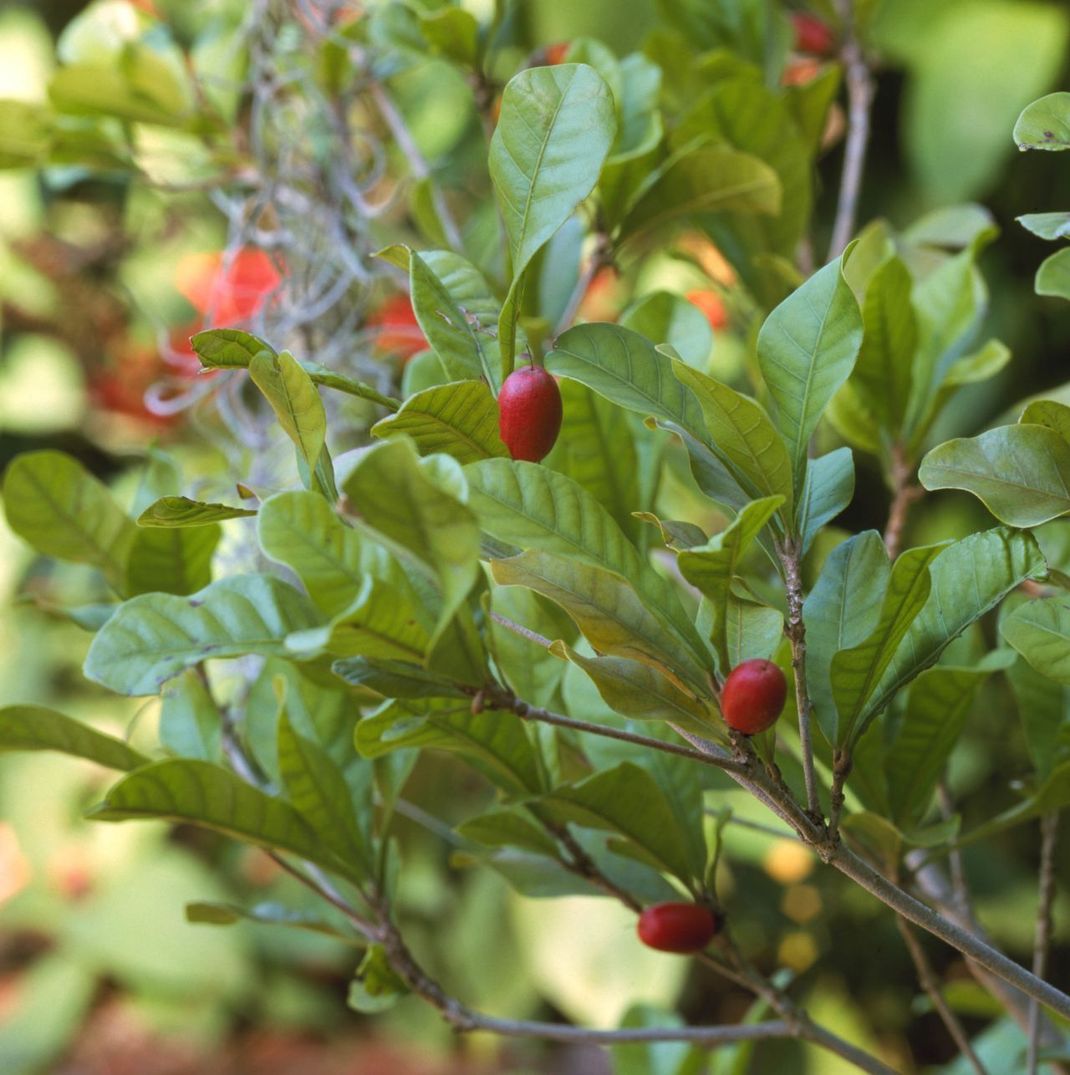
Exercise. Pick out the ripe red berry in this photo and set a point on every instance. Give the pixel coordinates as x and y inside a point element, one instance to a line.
<point>678,927</point>
<point>557,52</point>
<point>812,35</point>
<point>753,696</point>
<point>529,413</point>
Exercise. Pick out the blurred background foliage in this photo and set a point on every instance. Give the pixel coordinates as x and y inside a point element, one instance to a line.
<point>102,279</point>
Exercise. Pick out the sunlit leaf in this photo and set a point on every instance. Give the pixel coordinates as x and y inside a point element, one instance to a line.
<point>32,727</point>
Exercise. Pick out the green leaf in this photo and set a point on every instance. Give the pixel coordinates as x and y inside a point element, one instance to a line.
<point>395,679</point>
<point>626,800</point>
<point>27,133</point>
<point>153,637</point>
<point>453,33</point>
<point>1052,794</point>
<point>532,507</point>
<point>199,793</point>
<point>181,511</point>
<point>412,515</point>
<point>806,350</point>
<point>508,828</point>
<point>496,743</point>
<point>713,179</point>
<point>381,623</point>
<point>856,671</point>
<point>1040,631</point>
<point>317,789</point>
<point>301,530</point>
<point>460,419</point>
<point>294,399</point>
<point>213,913</point>
<point>555,129</point>
<point>828,489</point>
<point>1050,413</point>
<point>1053,276</point>
<point>638,691</point>
<point>1047,225</point>
<point>712,567</point>
<point>938,704</point>
<point>191,725</point>
<point>1044,709</point>
<point>32,727</point>
<point>745,437</point>
<point>376,986</point>
<point>842,610</point>
<point>1045,124</point>
<point>228,348</point>
<point>444,324</point>
<point>751,630</point>
<point>883,373</point>
<point>607,609</point>
<point>969,578</point>
<point>57,506</point>
<point>1021,473</point>
<point>663,317</point>
<point>171,560</point>
<point>597,449</point>
<point>529,669</point>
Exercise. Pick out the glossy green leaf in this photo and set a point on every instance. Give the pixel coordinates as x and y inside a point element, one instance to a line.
<point>199,793</point>
<point>332,560</point>
<point>153,637</point>
<point>969,578</point>
<point>411,514</point>
<point>53,503</point>
<point>453,33</point>
<point>496,743</point>
<point>840,612</point>
<point>318,791</point>
<point>228,348</point>
<point>382,623</point>
<point>214,913</point>
<point>938,703</point>
<point>751,629</point>
<point>806,349</point>
<point>191,725</point>
<point>638,691</point>
<point>598,449</point>
<point>714,179</point>
<point>856,671</point>
<point>1021,473</point>
<point>663,317</point>
<point>1045,124</point>
<point>1044,709</point>
<point>460,419</point>
<point>33,727</point>
<point>508,828</point>
<point>181,511</point>
<point>395,679</point>
<point>626,800</point>
<point>555,129</point>
<point>712,567</point>
<point>1040,631</point>
<point>1050,413</point>
<point>883,373</point>
<point>532,507</point>
<point>444,324</point>
<point>607,609</point>
<point>294,399</point>
<point>828,489</point>
<point>171,559</point>
<point>1053,276</point>
<point>528,667</point>
<point>1047,225</point>
<point>745,437</point>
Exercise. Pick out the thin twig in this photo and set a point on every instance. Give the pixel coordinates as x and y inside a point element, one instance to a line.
<point>860,90</point>
<point>1049,837</point>
<point>931,984</point>
<point>796,632</point>
<point>904,493</point>
<point>601,256</point>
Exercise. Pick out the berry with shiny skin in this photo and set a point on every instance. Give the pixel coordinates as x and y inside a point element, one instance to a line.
<point>678,927</point>
<point>813,36</point>
<point>529,413</point>
<point>753,696</point>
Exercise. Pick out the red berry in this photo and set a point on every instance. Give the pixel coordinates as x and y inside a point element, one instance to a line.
<point>753,696</point>
<point>678,927</point>
<point>812,35</point>
<point>557,52</point>
<point>529,413</point>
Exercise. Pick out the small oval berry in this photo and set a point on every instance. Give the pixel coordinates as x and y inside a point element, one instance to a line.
<point>678,927</point>
<point>812,35</point>
<point>753,696</point>
<point>529,413</point>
